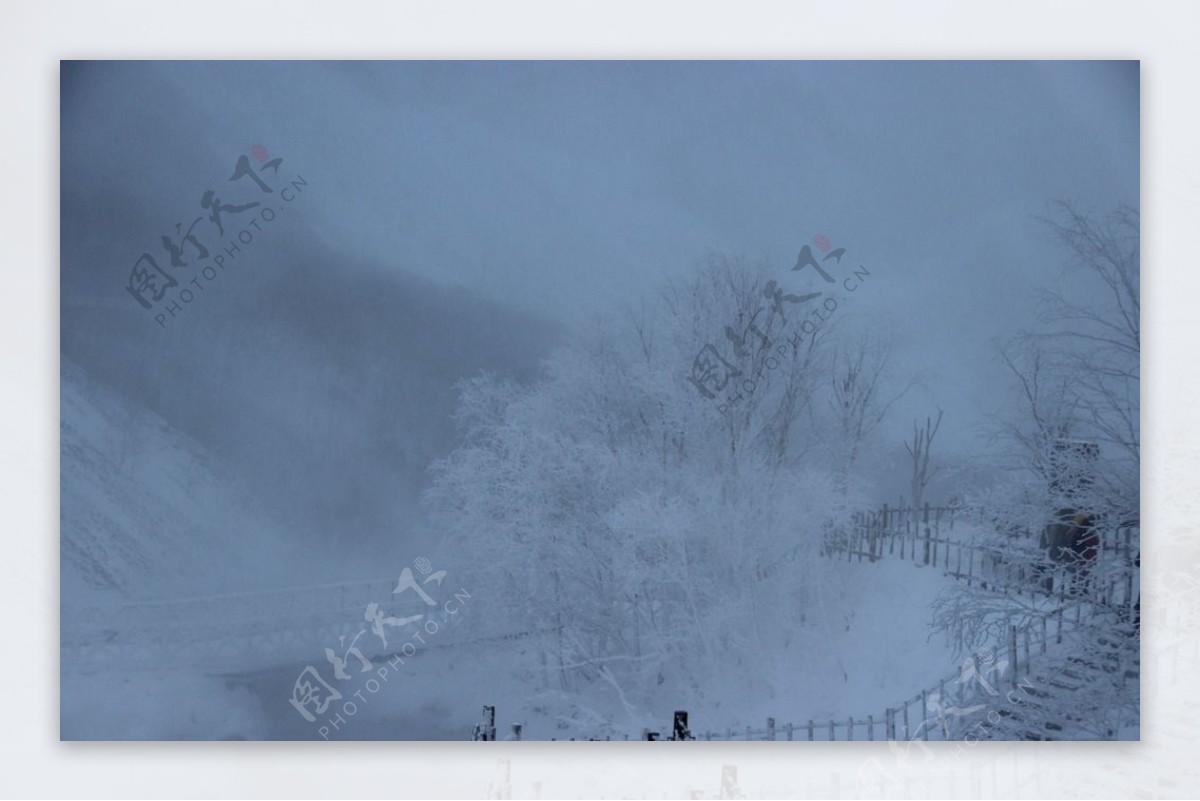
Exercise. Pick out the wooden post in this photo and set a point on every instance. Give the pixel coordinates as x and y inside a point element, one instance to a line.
<point>870,727</point>
<point>770,728</point>
<point>679,727</point>
<point>850,729</point>
<point>810,730</point>
<point>790,732</point>
<point>489,723</point>
<point>1012,647</point>
<point>1045,636</point>
<point>884,531</point>
<point>926,523</point>
<point>924,714</point>
<point>906,729</point>
<point>889,724</point>
<point>832,735</point>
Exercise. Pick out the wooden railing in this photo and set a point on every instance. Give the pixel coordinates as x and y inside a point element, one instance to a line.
<point>1076,592</point>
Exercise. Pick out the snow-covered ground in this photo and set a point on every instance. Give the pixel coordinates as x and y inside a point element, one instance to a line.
<point>869,647</point>
<point>874,650</point>
<point>122,542</point>
<point>864,644</point>
<point>145,511</point>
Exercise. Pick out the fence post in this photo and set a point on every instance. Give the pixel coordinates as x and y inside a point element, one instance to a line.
<point>789,732</point>
<point>810,730</point>
<point>926,523</point>
<point>924,713</point>
<point>942,701</point>
<point>850,729</point>
<point>832,734</point>
<point>870,727</point>
<point>488,730</point>
<point>679,727</point>
<point>889,724</point>
<point>1012,647</point>
<point>770,728</point>
<point>876,532</point>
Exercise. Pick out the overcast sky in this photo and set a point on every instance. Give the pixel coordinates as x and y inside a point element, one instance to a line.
<point>570,187</point>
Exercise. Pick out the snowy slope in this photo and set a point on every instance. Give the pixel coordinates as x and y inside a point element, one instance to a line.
<point>146,513</point>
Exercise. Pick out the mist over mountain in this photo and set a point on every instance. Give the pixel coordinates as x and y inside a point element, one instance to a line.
<point>324,387</point>
<point>614,363</point>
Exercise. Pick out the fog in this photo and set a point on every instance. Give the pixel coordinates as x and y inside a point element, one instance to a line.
<point>456,217</point>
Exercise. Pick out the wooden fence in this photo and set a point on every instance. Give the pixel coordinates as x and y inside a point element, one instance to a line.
<point>1077,592</point>
<point>1013,567</point>
<point>923,716</point>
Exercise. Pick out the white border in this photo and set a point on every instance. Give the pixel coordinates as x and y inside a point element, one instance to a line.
<point>34,36</point>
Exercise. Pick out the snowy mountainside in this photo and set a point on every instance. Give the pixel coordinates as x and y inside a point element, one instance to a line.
<point>146,512</point>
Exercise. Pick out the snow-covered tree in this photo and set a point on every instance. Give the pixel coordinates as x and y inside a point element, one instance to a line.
<point>861,397</point>
<point>650,529</point>
<point>1077,373</point>
<point>919,452</point>
<point>1063,546</point>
